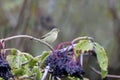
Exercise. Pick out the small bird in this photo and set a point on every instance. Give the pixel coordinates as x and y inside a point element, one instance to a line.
<point>51,36</point>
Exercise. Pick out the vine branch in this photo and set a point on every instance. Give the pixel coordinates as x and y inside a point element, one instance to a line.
<point>99,73</point>
<point>82,38</point>
<point>30,37</point>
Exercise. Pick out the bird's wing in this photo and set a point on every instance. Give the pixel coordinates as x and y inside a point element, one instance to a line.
<point>45,36</point>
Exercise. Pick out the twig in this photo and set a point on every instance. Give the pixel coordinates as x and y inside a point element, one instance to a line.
<point>58,78</point>
<point>25,77</point>
<point>39,40</point>
<point>45,73</point>
<point>69,48</point>
<point>109,75</point>
<point>30,37</point>
<point>82,38</point>
<point>81,59</point>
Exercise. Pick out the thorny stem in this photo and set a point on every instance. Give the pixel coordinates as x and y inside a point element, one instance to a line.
<point>82,38</point>
<point>30,37</point>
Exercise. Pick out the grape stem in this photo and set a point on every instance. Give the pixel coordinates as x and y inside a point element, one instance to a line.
<point>45,72</point>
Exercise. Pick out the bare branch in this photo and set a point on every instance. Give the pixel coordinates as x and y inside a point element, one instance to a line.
<point>109,75</point>
<point>82,38</point>
<point>30,37</point>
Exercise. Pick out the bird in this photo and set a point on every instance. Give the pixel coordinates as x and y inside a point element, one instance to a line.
<point>50,36</point>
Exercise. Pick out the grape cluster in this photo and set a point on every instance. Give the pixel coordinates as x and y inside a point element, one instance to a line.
<point>5,69</point>
<point>63,64</point>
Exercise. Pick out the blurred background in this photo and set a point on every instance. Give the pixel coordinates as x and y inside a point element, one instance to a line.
<point>99,19</point>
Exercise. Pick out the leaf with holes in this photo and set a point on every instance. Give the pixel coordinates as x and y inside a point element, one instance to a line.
<point>82,46</point>
<point>102,59</point>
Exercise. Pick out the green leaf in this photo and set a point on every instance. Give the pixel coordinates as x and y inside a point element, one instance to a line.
<point>27,55</point>
<point>19,72</point>
<point>16,61</point>
<point>86,45</point>
<point>38,58</point>
<point>82,46</point>
<point>15,51</point>
<point>43,62</point>
<point>71,78</point>
<point>36,70</point>
<point>44,54</point>
<point>39,75</point>
<point>1,78</point>
<point>32,63</point>
<point>102,59</point>
<point>23,58</point>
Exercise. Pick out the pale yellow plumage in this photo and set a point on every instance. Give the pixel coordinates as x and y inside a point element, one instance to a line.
<point>51,36</point>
